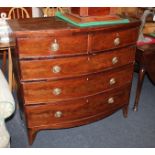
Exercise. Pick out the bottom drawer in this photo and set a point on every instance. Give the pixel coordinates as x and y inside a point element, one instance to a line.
<point>70,111</point>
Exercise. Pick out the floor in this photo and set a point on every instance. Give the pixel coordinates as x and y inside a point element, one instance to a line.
<point>136,131</point>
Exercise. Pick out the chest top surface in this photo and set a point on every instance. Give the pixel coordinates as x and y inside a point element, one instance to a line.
<point>53,25</point>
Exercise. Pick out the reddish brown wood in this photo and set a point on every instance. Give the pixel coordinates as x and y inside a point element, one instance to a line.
<point>103,40</point>
<point>91,11</point>
<point>52,26</point>
<point>32,134</point>
<point>83,11</point>
<point>139,86</point>
<point>4,51</point>
<point>91,14</point>
<point>145,56</point>
<point>75,123</point>
<point>79,19</point>
<point>98,11</point>
<point>85,56</point>
<point>78,109</point>
<point>41,46</point>
<point>43,69</point>
<point>125,111</point>
<point>40,92</point>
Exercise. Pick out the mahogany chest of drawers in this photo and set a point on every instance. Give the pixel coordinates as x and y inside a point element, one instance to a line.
<point>69,76</point>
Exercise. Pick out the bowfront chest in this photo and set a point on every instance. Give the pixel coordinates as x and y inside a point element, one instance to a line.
<point>69,76</point>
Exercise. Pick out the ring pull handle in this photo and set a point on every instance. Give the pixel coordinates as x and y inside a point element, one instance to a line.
<point>114,60</point>
<point>58,114</point>
<point>56,69</point>
<point>57,91</point>
<point>110,100</point>
<point>112,81</point>
<point>117,41</point>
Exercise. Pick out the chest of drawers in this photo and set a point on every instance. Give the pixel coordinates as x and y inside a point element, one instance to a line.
<point>69,76</point>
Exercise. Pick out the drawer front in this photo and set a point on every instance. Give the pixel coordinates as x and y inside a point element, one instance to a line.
<point>52,46</point>
<point>70,111</point>
<point>69,67</point>
<point>109,40</point>
<point>52,91</point>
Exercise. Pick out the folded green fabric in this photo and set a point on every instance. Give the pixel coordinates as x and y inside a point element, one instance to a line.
<point>122,21</point>
<point>152,34</point>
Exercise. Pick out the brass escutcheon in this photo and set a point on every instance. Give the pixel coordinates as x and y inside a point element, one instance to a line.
<point>54,46</point>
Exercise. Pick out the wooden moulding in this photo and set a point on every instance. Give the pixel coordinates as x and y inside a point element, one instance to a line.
<point>92,14</point>
<point>79,19</point>
<point>90,11</point>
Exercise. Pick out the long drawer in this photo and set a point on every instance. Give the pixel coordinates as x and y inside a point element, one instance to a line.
<point>70,111</point>
<point>75,43</point>
<point>102,40</point>
<point>52,46</point>
<point>67,89</point>
<point>71,67</point>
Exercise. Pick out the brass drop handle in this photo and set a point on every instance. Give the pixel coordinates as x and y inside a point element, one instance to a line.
<point>56,69</point>
<point>110,100</point>
<point>55,46</point>
<point>58,114</point>
<point>57,91</point>
<point>117,41</point>
<point>112,81</point>
<point>114,60</point>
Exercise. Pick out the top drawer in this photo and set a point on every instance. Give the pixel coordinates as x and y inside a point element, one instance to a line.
<point>52,46</point>
<point>103,40</point>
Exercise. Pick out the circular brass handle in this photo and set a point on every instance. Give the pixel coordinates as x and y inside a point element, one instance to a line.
<point>58,114</point>
<point>117,41</point>
<point>114,60</point>
<point>112,81</point>
<point>57,91</point>
<point>111,100</point>
<point>56,69</point>
<point>55,46</point>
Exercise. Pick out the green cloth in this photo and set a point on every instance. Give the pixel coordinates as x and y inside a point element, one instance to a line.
<point>122,21</point>
<point>152,34</point>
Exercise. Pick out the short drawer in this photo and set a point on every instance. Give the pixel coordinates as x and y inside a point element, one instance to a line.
<point>102,40</point>
<point>68,89</point>
<point>52,46</point>
<point>70,111</point>
<point>75,66</point>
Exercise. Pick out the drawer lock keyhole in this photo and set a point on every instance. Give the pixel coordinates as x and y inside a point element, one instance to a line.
<point>55,46</point>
